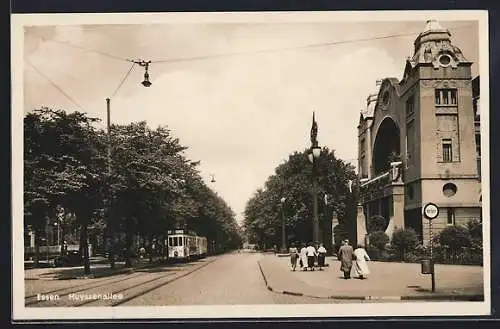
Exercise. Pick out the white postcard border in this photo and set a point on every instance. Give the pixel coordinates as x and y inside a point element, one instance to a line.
<point>20,312</point>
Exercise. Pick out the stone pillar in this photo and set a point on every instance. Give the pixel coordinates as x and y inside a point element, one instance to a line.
<point>32,239</point>
<point>397,219</point>
<point>361,225</point>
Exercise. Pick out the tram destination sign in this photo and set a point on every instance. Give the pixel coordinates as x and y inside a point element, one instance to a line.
<point>430,211</point>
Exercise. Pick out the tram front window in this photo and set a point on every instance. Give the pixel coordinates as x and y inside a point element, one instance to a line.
<point>175,241</point>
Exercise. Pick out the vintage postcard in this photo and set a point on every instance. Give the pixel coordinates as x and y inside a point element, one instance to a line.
<point>250,165</point>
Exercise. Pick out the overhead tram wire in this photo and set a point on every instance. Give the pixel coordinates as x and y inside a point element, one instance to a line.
<point>317,45</point>
<point>53,84</point>
<point>187,59</point>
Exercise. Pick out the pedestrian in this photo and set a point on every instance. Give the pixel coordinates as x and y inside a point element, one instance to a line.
<point>321,256</point>
<point>345,255</point>
<point>311,255</point>
<point>294,255</point>
<point>360,267</point>
<point>303,257</point>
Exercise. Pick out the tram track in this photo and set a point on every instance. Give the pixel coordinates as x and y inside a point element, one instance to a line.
<point>144,287</point>
<point>32,299</point>
<point>128,292</point>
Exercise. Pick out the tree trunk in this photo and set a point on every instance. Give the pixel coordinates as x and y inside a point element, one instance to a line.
<point>61,241</point>
<point>328,232</point>
<point>128,246</point>
<point>111,247</point>
<point>37,247</point>
<point>84,247</point>
<point>151,250</point>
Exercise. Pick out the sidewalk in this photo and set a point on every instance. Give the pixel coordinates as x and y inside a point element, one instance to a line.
<point>387,281</point>
<point>98,270</point>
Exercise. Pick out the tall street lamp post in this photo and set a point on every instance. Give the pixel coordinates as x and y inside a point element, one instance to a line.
<point>283,233</point>
<point>146,83</point>
<point>110,233</point>
<point>314,154</point>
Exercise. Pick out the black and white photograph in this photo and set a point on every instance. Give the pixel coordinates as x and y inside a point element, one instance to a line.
<point>250,165</point>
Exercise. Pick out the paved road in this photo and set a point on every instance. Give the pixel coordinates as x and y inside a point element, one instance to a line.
<point>232,279</point>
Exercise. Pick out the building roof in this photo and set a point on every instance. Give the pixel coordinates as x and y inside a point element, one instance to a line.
<point>430,45</point>
<point>433,42</point>
<point>368,111</point>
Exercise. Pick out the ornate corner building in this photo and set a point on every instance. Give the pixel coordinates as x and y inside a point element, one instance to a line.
<point>419,141</point>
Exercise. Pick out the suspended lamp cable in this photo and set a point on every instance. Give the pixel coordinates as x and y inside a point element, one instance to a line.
<point>123,80</point>
<point>80,47</point>
<point>53,84</point>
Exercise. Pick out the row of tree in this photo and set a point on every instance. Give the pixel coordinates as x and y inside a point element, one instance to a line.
<point>290,191</point>
<point>135,181</point>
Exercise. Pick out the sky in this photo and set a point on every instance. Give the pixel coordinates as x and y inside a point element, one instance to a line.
<point>246,102</point>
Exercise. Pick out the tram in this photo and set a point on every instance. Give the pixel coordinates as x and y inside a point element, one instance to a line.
<point>185,245</point>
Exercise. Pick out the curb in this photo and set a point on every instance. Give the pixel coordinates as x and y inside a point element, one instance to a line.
<point>427,297</point>
<point>263,276</point>
<point>283,255</point>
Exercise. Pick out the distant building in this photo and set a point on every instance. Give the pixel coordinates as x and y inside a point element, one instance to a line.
<point>419,141</point>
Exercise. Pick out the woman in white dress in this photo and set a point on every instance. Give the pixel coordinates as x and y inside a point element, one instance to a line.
<point>360,267</point>
<point>303,257</point>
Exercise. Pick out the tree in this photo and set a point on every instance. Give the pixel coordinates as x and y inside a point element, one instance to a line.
<point>379,239</point>
<point>377,223</point>
<point>404,240</point>
<point>154,188</point>
<point>475,228</point>
<point>62,168</point>
<point>79,149</point>
<point>146,172</point>
<point>292,180</point>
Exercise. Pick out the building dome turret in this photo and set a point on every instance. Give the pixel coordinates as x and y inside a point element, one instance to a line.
<point>433,46</point>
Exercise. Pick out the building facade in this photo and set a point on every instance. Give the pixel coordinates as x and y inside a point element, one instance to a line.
<point>419,141</point>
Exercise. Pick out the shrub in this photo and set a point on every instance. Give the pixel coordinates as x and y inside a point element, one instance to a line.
<point>455,237</point>
<point>379,239</point>
<point>404,241</point>
<point>377,223</point>
<point>339,234</point>
<point>475,228</point>
<point>373,252</point>
<point>410,257</point>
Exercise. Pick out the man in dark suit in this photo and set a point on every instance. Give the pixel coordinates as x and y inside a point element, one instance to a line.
<point>345,257</point>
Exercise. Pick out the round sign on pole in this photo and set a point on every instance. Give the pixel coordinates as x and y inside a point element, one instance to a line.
<point>430,211</point>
